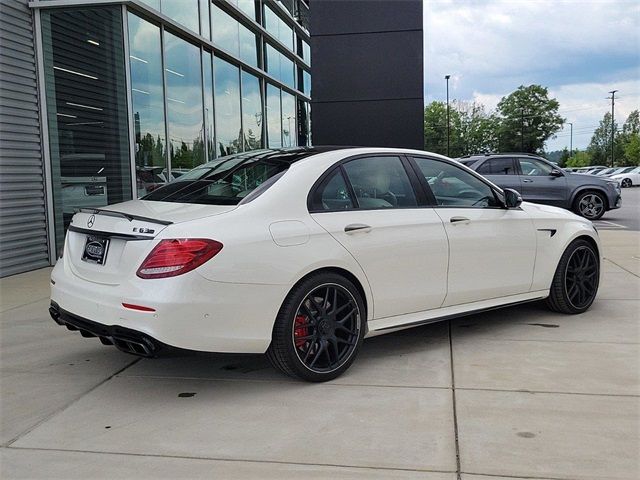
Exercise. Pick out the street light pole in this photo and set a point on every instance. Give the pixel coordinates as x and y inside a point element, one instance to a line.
<point>571,140</point>
<point>447,77</point>
<point>613,130</point>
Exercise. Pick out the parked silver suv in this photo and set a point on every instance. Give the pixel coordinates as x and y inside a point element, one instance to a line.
<point>540,181</point>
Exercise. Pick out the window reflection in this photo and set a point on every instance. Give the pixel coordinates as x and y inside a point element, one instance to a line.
<point>225,30</point>
<point>147,99</point>
<point>306,52</point>
<point>279,66</point>
<point>274,118</point>
<point>251,112</point>
<point>289,133</point>
<point>304,123</point>
<point>87,110</point>
<point>207,67</point>
<point>227,112</point>
<point>184,103</point>
<point>247,6</point>
<point>184,12</point>
<point>205,28</point>
<point>278,27</point>
<point>248,46</point>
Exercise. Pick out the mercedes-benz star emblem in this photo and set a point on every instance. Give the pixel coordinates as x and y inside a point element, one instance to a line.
<point>91,221</point>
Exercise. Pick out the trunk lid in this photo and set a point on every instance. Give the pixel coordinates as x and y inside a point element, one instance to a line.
<point>107,245</point>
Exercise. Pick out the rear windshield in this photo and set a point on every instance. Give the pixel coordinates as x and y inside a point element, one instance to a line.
<point>229,180</point>
<point>468,162</point>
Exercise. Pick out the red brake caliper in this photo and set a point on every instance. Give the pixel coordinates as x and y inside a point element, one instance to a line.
<point>300,331</point>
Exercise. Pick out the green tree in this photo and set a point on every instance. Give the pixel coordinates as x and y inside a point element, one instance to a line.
<point>579,159</point>
<point>600,145</point>
<point>435,129</point>
<point>629,140</point>
<point>632,150</point>
<point>478,129</point>
<point>564,157</point>
<point>529,118</point>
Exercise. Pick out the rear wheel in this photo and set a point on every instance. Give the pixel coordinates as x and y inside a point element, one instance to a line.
<point>575,283</point>
<point>319,329</point>
<point>590,205</point>
<point>626,183</point>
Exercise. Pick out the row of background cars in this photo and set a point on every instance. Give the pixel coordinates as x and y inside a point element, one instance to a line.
<point>541,181</point>
<point>626,176</point>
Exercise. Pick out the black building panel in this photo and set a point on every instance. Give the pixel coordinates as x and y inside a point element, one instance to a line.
<point>375,123</point>
<point>351,16</point>
<point>367,82</point>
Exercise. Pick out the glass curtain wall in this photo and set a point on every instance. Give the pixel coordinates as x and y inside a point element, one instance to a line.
<point>185,118</point>
<point>147,101</point>
<point>87,116</point>
<point>289,130</point>
<point>251,112</point>
<point>227,107</point>
<point>274,117</point>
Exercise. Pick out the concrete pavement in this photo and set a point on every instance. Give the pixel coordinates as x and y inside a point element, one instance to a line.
<point>519,392</point>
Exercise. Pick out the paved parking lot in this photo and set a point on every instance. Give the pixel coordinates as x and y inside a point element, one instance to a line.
<point>514,393</point>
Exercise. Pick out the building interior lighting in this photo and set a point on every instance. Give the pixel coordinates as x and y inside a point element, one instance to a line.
<point>138,59</point>
<point>75,73</point>
<point>83,106</point>
<point>93,42</point>
<point>66,115</point>
<point>174,72</point>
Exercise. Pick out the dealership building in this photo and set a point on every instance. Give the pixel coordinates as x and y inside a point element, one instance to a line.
<point>103,101</point>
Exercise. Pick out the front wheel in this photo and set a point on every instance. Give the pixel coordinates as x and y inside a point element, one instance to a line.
<point>575,283</point>
<point>319,329</point>
<point>626,183</point>
<point>590,205</point>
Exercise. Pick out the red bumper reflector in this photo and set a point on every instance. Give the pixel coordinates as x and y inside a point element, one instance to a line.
<point>138,307</point>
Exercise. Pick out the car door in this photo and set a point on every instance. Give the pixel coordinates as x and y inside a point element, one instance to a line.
<point>501,171</point>
<point>491,249</point>
<point>542,183</point>
<point>370,205</point>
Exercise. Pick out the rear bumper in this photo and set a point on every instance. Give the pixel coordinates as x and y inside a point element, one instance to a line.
<point>189,312</point>
<point>124,339</point>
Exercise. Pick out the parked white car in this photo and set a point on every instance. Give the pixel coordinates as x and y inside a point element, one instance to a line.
<point>302,253</point>
<point>629,178</point>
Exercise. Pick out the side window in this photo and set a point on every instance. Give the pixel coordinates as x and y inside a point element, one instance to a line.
<point>454,187</point>
<point>380,182</point>
<point>533,167</point>
<point>332,194</point>
<point>497,166</point>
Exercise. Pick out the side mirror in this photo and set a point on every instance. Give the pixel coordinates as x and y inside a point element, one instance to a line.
<point>512,199</point>
<point>556,173</point>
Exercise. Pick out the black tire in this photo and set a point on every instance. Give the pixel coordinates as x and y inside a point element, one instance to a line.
<point>306,328</point>
<point>590,205</point>
<point>573,290</point>
<point>626,183</point>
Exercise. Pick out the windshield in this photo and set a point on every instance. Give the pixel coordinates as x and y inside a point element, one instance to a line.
<point>228,180</point>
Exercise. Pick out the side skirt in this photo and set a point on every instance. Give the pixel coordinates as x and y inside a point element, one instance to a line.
<point>400,322</point>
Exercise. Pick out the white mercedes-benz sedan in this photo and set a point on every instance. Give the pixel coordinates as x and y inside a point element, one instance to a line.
<point>302,253</point>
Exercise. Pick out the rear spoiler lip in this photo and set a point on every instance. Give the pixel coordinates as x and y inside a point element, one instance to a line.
<point>122,236</point>
<point>128,216</point>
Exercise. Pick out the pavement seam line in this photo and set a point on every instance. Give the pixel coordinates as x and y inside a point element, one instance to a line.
<point>368,385</point>
<point>67,405</point>
<point>453,398</point>
<point>219,459</point>
<point>24,304</point>
<point>620,266</point>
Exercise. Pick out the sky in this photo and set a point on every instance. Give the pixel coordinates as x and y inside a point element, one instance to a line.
<point>580,50</point>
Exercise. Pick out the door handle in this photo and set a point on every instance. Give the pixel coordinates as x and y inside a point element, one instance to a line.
<point>357,227</point>
<point>459,220</point>
<point>527,180</point>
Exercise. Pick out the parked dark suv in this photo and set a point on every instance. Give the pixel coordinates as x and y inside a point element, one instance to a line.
<point>540,181</point>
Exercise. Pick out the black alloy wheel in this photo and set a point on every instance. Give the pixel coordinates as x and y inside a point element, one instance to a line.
<point>319,328</point>
<point>626,183</point>
<point>576,280</point>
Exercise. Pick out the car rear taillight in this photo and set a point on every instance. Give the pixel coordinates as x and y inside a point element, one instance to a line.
<point>177,256</point>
